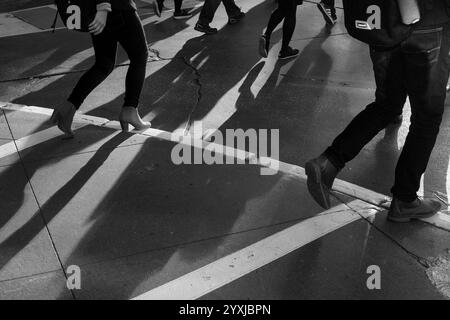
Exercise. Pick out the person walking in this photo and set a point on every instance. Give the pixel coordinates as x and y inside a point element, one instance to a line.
<point>418,67</point>
<point>287,11</point>
<point>208,11</point>
<point>116,22</point>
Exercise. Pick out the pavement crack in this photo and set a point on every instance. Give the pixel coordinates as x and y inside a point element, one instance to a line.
<point>198,83</point>
<point>68,72</point>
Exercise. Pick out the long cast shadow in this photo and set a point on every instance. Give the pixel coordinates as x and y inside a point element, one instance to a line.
<point>16,242</point>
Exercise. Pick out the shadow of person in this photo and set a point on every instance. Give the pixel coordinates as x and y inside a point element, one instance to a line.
<point>57,88</point>
<point>160,219</point>
<point>278,96</point>
<point>16,241</point>
<point>21,237</point>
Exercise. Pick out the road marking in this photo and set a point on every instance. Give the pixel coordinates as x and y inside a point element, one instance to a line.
<point>440,220</point>
<point>236,265</point>
<point>12,26</point>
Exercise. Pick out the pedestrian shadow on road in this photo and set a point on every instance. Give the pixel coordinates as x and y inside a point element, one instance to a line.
<point>49,209</point>
<point>277,95</point>
<point>22,237</point>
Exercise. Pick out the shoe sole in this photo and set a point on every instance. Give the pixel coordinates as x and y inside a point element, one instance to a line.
<point>205,32</point>
<point>327,18</point>
<point>156,9</point>
<point>262,47</point>
<point>182,17</point>
<point>316,188</point>
<point>288,57</point>
<point>408,219</point>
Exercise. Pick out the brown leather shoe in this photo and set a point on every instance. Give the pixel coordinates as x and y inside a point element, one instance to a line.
<point>401,211</point>
<point>321,174</point>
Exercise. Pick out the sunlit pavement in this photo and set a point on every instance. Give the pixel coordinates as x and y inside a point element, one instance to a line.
<point>138,226</point>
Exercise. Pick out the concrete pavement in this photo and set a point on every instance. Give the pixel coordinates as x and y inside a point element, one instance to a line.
<point>138,225</point>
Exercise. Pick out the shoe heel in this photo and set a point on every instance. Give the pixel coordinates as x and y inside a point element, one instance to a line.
<point>125,126</point>
<point>54,117</point>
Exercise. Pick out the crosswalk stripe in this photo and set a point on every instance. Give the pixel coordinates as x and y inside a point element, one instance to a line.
<point>440,220</point>
<point>234,266</point>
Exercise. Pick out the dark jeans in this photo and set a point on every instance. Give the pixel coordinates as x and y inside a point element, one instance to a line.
<point>210,8</point>
<point>287,11</point>
<point>122,27</point>
<point>418,68</point>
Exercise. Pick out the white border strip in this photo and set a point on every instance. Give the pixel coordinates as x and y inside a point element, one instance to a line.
<point>234,266</point>
<point>440,220</point>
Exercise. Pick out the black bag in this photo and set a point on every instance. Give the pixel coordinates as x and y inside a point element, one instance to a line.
<point>375,22</point>
<point>76,14</point>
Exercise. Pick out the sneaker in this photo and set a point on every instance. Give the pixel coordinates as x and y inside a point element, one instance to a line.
<point>401,211</point>
<point>205,29</point>
<point>157,7</point>
<point>321,174</point>
<point>288,53</point>
<point>183,14</point>
<point>235,19</point>
<point>329,14</point>
<point>264,43</point>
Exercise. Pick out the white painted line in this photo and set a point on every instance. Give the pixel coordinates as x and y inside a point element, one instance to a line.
<point>440,220</point>
<point>32,140</point>
<point>12,26</point>
<point>7,149</point>
<point>79,117</point>
<point>42,136</point>
<point>234,266</point>
<point>51,6</point>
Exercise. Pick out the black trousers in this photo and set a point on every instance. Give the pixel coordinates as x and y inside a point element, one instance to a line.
<point>287,11</point>
<point>210,8</point>
<point>122,27</point>
<point>418,68</point>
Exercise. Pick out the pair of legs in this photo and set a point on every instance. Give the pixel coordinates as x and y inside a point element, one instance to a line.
<point>208,11</point>
<point>287,11</point>
<point>122,27</point>
<point>418,68</point>
<point>158,5</point>
<point>210,7</point>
